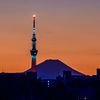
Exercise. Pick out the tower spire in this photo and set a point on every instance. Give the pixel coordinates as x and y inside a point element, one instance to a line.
<point>33,51</point>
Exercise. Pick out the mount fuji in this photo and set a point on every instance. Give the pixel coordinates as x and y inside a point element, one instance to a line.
<point>49,69</point>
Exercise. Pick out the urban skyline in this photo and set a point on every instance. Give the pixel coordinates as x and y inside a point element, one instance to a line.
<point>68,31</point>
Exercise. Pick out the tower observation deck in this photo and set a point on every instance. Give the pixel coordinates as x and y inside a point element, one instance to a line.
<point>33,51</point>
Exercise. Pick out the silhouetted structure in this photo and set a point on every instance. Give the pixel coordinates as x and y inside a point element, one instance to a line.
<point>98,72</point>
<point>66,75</point>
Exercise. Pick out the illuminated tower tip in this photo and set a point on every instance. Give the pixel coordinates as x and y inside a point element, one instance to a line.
<point>34,15</point>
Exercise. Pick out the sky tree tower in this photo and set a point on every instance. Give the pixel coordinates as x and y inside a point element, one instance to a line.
<point>33,51</point>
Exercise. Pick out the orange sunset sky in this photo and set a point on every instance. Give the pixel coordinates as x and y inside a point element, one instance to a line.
<point>68,30</point>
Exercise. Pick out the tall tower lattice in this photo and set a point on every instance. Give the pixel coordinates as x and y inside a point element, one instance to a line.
<point>33,51</point>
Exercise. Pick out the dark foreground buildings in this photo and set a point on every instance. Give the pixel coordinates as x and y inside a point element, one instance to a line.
<point>23,86</point>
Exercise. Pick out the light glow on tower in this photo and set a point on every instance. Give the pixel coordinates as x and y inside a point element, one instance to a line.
<point>34,15</point>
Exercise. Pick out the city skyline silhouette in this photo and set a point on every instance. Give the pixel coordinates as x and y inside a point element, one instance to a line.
<point>67,30</point>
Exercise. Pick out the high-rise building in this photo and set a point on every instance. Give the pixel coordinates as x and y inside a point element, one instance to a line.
<point>33,51</point>
<point>98,72</point>
<point>66,75</point>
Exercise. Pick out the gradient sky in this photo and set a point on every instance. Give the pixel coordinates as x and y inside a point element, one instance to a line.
<point>68,30</point>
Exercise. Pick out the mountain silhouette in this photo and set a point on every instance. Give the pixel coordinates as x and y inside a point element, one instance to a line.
<point>49,69</point>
